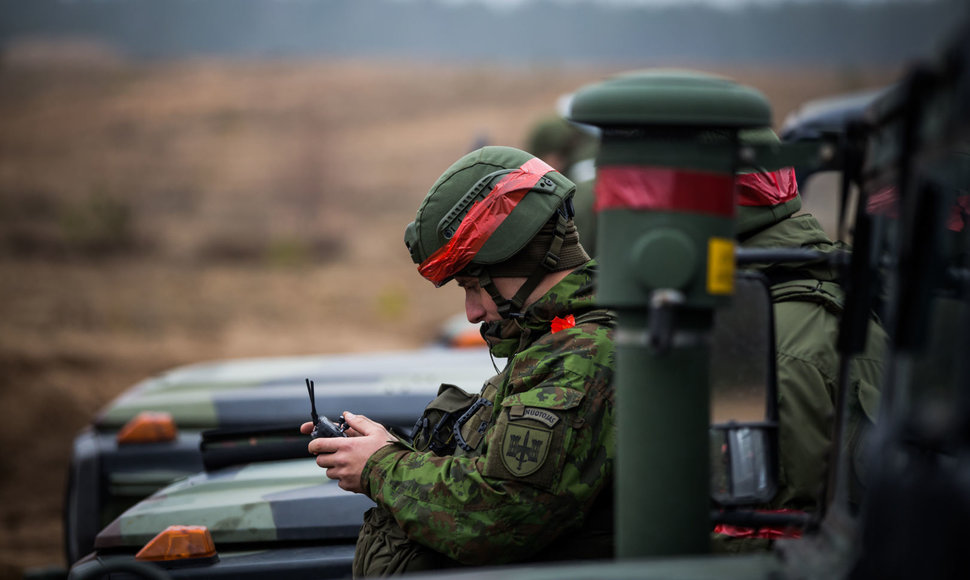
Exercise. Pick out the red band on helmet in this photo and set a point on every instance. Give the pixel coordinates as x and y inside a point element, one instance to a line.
<point>482,220</point>
<point>767,188</point>
<point>661,188</point>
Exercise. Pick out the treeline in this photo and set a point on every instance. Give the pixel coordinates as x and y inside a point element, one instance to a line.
<point>823,32</point>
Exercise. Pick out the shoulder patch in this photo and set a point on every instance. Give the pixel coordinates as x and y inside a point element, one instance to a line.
<point>524,449</point>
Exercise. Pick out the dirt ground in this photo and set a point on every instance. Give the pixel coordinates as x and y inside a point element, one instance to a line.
<point>159,214</point>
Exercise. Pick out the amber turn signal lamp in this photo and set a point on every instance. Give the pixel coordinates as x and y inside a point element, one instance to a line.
<point>468,338</point>
<point>178,543</point>
<point>148,427</point>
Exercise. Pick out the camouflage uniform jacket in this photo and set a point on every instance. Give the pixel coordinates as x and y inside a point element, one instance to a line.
<point>808,305</point>
<point>537,448</point>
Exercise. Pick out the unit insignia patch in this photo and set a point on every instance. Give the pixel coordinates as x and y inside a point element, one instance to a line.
<point>524,449</point>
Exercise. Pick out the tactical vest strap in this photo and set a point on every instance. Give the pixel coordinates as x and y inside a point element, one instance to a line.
<point>434,429</point>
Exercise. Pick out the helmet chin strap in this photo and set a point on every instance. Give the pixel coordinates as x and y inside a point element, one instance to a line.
<point>513,308</point>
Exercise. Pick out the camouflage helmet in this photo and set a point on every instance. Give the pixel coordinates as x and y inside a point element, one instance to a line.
<point>765,195</point>
<point>488,210</point>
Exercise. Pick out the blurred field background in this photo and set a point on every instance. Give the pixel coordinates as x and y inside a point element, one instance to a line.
<point>157,215</point>
<point>163,212</point>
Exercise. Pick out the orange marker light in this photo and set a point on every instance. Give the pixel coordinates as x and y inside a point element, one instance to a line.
<point>468,338</point>
<point>178,543</point>
<point>148,427</point>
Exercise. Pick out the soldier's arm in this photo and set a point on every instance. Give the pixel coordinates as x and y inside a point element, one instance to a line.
<point>535,479</point>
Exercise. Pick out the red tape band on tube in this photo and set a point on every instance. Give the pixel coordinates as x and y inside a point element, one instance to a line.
<point>660,188</point>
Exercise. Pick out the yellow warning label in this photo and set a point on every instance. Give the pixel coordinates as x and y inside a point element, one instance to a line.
<point>720,266</point>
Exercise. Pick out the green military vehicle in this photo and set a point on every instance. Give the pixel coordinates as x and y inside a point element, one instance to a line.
<point>150,436</point>
<point>907,156</point>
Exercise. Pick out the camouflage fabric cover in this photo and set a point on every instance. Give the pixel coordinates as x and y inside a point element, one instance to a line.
<point>448,202</point>
<point>808,304</point>
<point>535,453</point>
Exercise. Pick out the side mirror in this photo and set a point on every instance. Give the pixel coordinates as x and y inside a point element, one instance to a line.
<point>744,411</point>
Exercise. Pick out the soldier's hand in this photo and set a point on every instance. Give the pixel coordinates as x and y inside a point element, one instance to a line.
<point>344,457</point>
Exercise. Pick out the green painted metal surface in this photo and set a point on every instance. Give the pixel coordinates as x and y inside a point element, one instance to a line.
<point>669,131</point>
<point>644,251</point>
<point>671,97</point>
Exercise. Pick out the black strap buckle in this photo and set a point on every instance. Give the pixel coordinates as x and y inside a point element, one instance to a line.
<point>467,417</point>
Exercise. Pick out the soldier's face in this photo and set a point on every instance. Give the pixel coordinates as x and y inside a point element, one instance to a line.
<point>479,306</point>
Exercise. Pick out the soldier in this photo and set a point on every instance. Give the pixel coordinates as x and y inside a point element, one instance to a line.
<point>521,471</point>
<point>808,303</point>
<point>566,146</point>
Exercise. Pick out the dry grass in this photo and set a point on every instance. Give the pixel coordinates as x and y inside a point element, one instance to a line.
<point>162,214</point>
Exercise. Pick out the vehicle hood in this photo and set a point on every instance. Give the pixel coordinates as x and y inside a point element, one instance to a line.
<point>255,392</point>
<point>261,502</point>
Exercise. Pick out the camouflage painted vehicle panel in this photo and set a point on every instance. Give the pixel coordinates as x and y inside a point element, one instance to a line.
<point>276,501</point>
<point>105,477</point>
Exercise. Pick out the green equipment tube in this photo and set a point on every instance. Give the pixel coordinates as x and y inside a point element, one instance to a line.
<point>665,210</point>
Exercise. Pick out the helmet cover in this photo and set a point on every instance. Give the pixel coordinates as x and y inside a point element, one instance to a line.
<point>767,196</point>
<point>507,196</point>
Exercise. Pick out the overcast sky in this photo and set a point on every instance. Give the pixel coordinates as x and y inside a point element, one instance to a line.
<point>720,3</point>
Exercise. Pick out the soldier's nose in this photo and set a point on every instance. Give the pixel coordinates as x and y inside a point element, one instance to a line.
<point>474,310</point>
